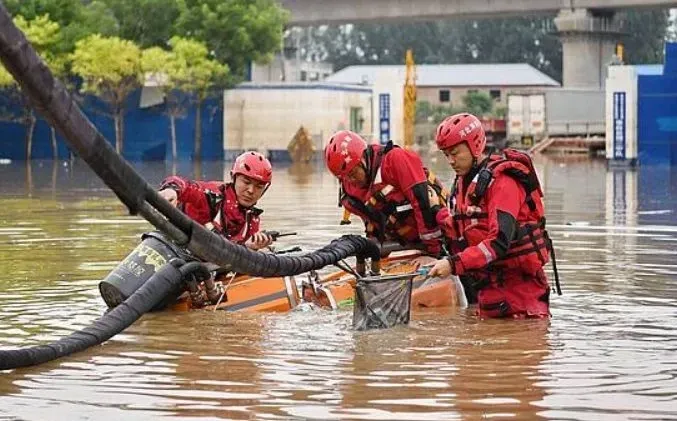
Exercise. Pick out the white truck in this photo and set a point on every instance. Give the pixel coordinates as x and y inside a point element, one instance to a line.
<point>554,112</point>
<point>526,118</point>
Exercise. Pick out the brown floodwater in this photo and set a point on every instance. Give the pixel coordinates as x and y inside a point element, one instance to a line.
<point>608,353</point>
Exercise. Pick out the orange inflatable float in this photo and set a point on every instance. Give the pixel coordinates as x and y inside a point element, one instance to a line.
<point>238,292</point>
<point>334,291</point>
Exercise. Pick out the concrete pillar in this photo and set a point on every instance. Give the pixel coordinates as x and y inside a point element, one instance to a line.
<point>588,42</point>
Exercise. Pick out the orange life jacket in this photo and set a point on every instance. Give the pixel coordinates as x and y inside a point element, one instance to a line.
<point>387,211</point>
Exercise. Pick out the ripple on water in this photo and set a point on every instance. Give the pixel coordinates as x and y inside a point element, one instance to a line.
<point>608,353</point>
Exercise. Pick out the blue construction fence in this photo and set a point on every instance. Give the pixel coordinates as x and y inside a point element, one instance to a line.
<point>147,133</point>
<point>657,113</point>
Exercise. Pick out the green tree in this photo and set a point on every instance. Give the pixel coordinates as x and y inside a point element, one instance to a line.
<point>426,113</point>
<point>76,18</point>
<point>529,40</point>
<point>146,22</point>
<point>111,69</point>
<point>645,33</point>
<point>236,31</point>
<point>515,40</point>
<point>61,11</point>
<point>93,18</point>
<point>44,34</point>
<point>197,74</point>
<point>478,103</point>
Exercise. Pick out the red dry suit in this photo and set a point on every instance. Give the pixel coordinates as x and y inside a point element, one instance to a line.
<point>214,205</point>
<point>497,231</point>
<point>396,206</point>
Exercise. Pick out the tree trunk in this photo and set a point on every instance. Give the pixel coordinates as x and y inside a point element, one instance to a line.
<point>55,151</point>
<point>55,174</point>
<point>172,125</point>
<point>198,130</point>
<point>197,169</point>
<point>30,128</point>
<point>119,120</point>
<point>29,177</point>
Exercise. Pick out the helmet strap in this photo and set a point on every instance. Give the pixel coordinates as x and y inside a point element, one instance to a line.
<point>475,164</point>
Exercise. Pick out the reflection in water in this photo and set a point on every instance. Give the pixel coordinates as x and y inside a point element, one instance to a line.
<point>621,211</point>
<point>607,353</point>
<point>302,172</point>
<point>427,371</point>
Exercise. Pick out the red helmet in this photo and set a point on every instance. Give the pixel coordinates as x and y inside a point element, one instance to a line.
<point>344,152</point>
<point>461,128</point>
<point>253,165</point>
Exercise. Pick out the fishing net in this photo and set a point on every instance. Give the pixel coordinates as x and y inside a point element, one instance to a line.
<point>382,302</point>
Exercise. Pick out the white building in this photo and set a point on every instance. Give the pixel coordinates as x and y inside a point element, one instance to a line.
<point>438,84</point>
<point>265,116</point>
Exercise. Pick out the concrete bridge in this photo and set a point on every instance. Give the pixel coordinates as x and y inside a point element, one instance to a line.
<point>317,12</point>
<point>587,28</point>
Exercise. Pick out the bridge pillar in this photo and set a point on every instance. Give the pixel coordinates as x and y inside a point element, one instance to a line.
<point>588,42</point>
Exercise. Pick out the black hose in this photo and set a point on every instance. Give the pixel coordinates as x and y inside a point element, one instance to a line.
<point>234,257</point>
<point>165,280</point>
<point>197,269</point>
<point>51,99</point>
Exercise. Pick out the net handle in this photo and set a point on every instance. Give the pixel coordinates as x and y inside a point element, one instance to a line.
<point>387,278</point>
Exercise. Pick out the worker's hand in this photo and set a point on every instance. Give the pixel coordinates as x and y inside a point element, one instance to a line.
<point>259,241</point>
<point>422,261</point>
<point>170,196</point>
<point>441,269</point>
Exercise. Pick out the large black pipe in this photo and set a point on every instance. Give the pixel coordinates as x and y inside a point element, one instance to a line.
<point>51,99</point>
<point>161,284</point>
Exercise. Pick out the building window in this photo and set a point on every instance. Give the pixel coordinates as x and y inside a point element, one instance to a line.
<point>445,95</point>
<point>495,94</point>
<point>356,119</point>
<point>304,75</point>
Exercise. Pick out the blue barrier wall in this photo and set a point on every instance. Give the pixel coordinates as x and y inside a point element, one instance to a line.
<point>147,132</point>
<point>657,113</point>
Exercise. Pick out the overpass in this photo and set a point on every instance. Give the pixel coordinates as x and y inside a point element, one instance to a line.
<point>587,28</point>
<point>321,12</point>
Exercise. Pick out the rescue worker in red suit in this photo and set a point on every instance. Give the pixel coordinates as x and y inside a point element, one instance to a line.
<point>496,227</point>
<point>226,208</point>
<point>388,188</point>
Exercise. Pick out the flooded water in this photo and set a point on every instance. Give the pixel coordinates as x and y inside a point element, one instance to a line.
<point>608,353</point>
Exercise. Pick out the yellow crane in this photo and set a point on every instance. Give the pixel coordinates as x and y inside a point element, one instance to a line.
<point>409,100</point>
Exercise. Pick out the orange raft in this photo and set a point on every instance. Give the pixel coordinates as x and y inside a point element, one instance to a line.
<point>245,293</point>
